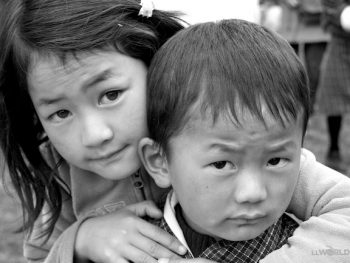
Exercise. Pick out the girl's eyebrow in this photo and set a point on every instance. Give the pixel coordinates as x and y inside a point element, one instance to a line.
<point>90,82</point>
<point>99,77</point>
<point>46,101</point>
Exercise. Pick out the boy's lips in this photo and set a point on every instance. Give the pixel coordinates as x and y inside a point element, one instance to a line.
<point>248,218</point>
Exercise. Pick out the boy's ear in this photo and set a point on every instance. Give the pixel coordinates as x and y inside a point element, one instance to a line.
<point>154,161</point>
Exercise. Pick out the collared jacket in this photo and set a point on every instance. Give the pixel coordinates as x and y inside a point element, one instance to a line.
<point>321,197</point>
<point>246,251</point>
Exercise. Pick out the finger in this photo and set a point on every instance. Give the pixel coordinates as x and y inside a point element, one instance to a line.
<point>152,248</point>
<point>162,237</point>
<point>136,255</point>
<point>185,260</point>
<point>146,208</point>
<point>110,256</point>
<point>121,260</point>
<point>118,260</point>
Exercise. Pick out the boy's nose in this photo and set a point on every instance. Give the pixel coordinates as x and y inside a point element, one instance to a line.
<point>250,187</point>
<point>95,131</point>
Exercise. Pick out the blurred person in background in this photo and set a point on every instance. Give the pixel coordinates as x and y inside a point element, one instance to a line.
<point>299,21</point>
<point>333,97</point>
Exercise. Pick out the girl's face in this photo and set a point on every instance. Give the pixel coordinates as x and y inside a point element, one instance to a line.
<point>93,109</point>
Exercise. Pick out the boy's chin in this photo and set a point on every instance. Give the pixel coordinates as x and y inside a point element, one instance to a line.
<point>243,232</point>
<point>242,237</point>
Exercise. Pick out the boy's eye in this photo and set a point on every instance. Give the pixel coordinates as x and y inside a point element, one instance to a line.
<point>110,96</point>
<point>220,165</point>
<point>277,162</point>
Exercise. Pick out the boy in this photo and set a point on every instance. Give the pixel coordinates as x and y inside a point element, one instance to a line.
<point>228,105</point>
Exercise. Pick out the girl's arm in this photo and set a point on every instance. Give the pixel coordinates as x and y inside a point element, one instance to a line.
<point>322,200</point>
<point>120,236</point>
<point>123,236</point>
<point>36,249</point>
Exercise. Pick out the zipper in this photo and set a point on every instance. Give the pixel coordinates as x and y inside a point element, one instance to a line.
<point>138,186</point>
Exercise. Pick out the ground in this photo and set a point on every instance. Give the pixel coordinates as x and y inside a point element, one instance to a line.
<point>10,242</point>
<point>316,140</point>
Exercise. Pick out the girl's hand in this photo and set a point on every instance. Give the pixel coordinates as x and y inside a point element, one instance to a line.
<point>123,236</point>
<point>185,260</point>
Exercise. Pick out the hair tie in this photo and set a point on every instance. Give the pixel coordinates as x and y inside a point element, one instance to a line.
<point>147,7</point>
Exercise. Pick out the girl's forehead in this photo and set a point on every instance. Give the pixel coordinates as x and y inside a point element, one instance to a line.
<point>49,74</point>
<point>45,62</point>
<point>42,67</point>
<point>65,64</point>
<point>62,70</point>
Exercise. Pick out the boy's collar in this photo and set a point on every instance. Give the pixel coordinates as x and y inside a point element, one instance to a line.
<point>170,219</point>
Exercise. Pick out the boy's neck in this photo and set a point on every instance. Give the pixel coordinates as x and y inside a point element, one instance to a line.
<point>197,242</point>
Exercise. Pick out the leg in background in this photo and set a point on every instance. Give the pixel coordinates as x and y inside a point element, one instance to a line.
<point>313,58</point>
<point>334,159</point>
<point>334,126</point>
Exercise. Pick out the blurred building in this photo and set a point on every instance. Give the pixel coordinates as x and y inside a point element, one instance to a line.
<point>196,11</point>
<point>299,21</point>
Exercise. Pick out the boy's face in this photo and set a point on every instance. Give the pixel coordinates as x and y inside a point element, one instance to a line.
<point>234,182</point>
<point>92,109</point>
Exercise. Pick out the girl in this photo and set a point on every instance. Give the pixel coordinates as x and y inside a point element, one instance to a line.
<point>74,73</point>
<point>72,94</point>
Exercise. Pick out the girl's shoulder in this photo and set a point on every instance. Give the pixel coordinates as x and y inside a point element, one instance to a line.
<point>49,153</point>
<point>55,161</point>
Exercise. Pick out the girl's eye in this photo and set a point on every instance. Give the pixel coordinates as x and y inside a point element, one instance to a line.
<point>220,165</point>
<point>62,114</point>
<point>110,96</point>
<point>277,162</point>
<point>59,115</point>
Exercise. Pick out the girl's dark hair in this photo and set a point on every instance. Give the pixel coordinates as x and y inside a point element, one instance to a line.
<point>59,27</point>
<point>224,67</point>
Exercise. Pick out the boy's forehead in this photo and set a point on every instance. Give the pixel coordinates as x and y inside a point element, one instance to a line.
<point>207,117</point>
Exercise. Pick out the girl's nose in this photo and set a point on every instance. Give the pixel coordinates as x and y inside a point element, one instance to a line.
<point>250,187</point>
<point>95,131</point>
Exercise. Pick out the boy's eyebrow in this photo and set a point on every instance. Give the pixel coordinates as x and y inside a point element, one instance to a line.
<point>283,145</point>
<point>228,147</point>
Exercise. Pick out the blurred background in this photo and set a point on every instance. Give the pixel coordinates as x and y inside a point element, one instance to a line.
<point>299,21</point>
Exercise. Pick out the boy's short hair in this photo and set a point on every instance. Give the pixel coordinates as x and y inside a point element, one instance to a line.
<point>225,66</point>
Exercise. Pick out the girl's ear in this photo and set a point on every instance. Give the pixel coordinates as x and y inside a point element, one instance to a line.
<point>155,162</point>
